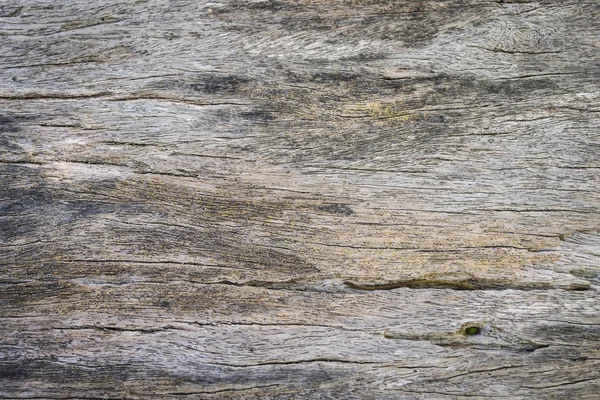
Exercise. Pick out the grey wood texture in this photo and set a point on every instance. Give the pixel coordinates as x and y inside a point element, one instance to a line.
<point>336,199</point>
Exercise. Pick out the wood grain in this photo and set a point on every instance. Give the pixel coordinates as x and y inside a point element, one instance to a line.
<point>299,199</point>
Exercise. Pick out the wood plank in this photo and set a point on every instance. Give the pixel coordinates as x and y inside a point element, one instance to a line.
<point>299,198</point>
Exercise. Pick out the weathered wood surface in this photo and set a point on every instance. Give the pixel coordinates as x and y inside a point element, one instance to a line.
<point>299,199</point>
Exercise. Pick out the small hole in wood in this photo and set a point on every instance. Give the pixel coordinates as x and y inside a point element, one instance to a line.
<point>472,330</point>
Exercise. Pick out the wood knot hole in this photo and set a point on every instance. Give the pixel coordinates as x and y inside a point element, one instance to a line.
<point>472,330</point>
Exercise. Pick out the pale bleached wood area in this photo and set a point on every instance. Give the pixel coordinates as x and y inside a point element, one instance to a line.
<point>281,199</point>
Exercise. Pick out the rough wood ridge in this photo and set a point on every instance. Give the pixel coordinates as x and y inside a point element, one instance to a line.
<point>291,199</point>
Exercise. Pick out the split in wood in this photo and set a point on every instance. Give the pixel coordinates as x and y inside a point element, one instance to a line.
<point>477,335</point>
